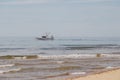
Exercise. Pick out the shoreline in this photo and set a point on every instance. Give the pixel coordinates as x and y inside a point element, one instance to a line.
<point>63,67</point>
<point>110,74</point>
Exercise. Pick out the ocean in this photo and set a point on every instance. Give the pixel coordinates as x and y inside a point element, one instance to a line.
<point>26,58</point>
<point>31,46</point>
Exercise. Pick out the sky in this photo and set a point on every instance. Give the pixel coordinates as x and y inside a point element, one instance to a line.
<point>89,18</point>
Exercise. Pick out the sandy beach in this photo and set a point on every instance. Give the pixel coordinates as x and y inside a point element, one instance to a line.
<point>113,74</point>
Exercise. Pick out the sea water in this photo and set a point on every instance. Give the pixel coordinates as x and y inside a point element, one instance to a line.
<point>70,45</point>
<point>56,59</point>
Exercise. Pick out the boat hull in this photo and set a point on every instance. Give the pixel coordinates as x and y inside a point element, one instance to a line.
<point>44,39</point>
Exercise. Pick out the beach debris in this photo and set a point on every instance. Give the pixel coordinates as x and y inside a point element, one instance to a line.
<point>31,57</point>
<point>19,57</point>
<point>100,55</point>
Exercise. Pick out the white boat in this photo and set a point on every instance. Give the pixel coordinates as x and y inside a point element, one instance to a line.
<point>45,37</point>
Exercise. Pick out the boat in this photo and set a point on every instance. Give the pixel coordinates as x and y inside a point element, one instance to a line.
<point>45,37</point>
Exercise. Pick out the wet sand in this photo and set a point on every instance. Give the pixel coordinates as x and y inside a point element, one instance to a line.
<point>113,74</point>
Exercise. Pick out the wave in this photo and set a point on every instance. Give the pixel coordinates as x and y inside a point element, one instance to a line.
<point>109,67</point>
<point>84,47</point>
<point>93,45</point>
<point>6,65</point>
<point>53,76</point>
<point>76,56</point>
<point>10,70</point>
<point>12,48</point>
<point>63,68</point>
<point>65,56</point>
<point>78,73</point>
<point>59,62</point>
<point>62,56</point>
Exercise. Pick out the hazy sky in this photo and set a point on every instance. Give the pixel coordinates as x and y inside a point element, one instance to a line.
<point>60,17</point>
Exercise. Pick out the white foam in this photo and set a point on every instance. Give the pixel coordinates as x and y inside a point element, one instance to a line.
<point>10,70</point>
<point>109,67</point>
<point>78,73</point>
<point>60,62</point>
<point>112,55</point>
<point>76,56</point>
<point>66,56</point>
<point>6,65</point>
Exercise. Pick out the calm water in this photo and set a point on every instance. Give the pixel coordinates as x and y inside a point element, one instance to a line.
<point>29,45</point>
<point>58,59</point>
